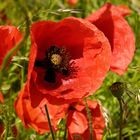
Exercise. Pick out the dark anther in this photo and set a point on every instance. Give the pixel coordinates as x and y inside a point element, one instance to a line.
<point>52,50</point>
<point>65,71</point>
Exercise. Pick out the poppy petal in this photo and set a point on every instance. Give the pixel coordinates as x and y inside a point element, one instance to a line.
<point>109,19</point>
<point>92,47</point>
<point>36,116</point>
<point>123,10</point>
<point>9,37</point>
<point>76,123</point>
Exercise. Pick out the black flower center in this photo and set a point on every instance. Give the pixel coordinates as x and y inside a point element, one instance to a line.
<point>56,61</point>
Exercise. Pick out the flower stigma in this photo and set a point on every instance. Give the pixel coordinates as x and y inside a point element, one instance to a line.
<point>56,59</point>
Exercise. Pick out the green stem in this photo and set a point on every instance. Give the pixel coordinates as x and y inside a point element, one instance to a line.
<point>49,121</point>
<point>89,121</point>
<point>22,77</point>
<point>65,133</point>
<point>121,119</point>
<point>6,131</point>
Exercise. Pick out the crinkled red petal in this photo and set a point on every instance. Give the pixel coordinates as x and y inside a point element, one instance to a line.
<point>88,48</point>
<point>77,122</point>
<point>109,19</point>
<point>81,128</point>
<point>9,37</point>
<point>123,10</point>
<point>36,116</point>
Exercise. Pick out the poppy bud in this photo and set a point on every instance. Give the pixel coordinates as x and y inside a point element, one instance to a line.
<point>117,89</point>
<point>72,2</point>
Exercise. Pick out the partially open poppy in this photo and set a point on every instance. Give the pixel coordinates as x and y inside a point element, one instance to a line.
<point>78,124</point>
<point>36,117</point>
<point>109,19</point>
<point>9,37</point>
<point>68,59</point>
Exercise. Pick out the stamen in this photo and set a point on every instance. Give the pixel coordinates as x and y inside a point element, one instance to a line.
<point>65,71</point>
<point>56,59</point>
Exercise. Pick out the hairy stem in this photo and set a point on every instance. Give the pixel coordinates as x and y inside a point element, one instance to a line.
<point>89,121</point>
<point>6,131</point>
<point>65,133</point>
<point>49,121</point>
<point>121,119</point>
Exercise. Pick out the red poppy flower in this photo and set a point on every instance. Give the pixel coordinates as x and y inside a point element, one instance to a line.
<point>9,37</point>
<point>72,2</point>
<point>109,19</point>
<point>68,59</point>
<point>36,116</point>
<point>78,125</point>
<point>1,98</point>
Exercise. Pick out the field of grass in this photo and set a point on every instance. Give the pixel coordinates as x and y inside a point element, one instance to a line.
<point>22,13</point>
